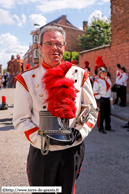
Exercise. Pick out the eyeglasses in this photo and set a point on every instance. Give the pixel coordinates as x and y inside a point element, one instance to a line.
<point>51,44</point>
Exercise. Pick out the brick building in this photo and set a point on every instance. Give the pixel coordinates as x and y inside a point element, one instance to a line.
<point>118,50</point>
<point>1,70</point>
<point>71,38</point>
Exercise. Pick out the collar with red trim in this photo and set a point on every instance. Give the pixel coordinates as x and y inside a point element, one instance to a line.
<point>46,66</point>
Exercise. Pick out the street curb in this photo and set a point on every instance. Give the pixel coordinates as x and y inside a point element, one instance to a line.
<point>119,117</point>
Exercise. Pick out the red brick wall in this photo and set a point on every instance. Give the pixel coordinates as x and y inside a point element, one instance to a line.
<point>71,39</point>
<point>119,21</point>
<point>112,55</point>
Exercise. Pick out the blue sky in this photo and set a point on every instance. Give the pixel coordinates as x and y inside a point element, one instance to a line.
<point>17,18</point>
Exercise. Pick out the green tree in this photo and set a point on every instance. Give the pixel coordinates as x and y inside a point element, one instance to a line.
<point>97,34</point>
<point>5,70</point>
<point>67,55</point>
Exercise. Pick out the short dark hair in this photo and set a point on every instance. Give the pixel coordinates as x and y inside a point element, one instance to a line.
<point>123,68</point>
<point>118,65</point>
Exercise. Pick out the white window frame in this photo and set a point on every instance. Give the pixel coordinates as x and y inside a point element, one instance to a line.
<point>36,51</point>
<point>35,37</point>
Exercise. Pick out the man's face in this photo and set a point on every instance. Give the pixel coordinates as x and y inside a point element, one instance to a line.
<point>52,54</point>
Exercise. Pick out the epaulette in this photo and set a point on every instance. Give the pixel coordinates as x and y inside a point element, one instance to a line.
<point>86,75</point>
<point>22,81</point>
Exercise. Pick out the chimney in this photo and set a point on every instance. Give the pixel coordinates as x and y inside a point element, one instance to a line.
<point>85,23</point>
<point>63,17</point>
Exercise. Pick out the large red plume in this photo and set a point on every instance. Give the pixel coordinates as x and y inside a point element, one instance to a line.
<point>86,64</point>
<point>61,93</point>
<point>3,99</point>
<point>99,62</point>
<point>27,66</point>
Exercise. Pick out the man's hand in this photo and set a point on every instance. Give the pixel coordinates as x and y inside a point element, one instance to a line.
<point>75,136</point>
<point>111,102</point>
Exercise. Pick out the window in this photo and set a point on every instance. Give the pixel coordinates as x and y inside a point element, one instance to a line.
<point>35,38</point>
<point>36,53</point>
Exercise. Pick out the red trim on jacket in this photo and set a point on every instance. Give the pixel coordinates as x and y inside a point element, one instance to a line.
<point>29,132</point>
<point>90,125</point>
<point>118,74</point>
<point>46,66</point>
<point>107,85</point>
<point>96,94</point>
<point>22,81</point>
<point>86,75</point>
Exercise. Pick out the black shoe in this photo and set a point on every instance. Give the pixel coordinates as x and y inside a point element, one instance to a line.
<point>126,125</point>
<point>102,131</point>
<point>123,105</point>
<point>112,130</point>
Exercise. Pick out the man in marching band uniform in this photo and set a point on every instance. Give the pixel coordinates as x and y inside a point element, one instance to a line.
<point>118,74</point>
<point>122,81</point>
<point>61,166</point>
<point>103,95</point>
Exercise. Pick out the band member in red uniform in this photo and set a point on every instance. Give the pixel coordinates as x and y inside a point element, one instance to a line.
<point>122,82</point>
<point>118,74</point>
<point>58,88</point>
<point>103,95</point>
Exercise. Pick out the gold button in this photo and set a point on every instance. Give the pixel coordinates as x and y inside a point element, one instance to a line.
<point>36,85</point>
<point>40,95</point>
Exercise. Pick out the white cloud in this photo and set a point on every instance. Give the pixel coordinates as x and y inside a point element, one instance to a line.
<point>52,5</point>
<point>80,28</point>
<point>49,5</point>
<point>5,17</point>
<point>18,21</point>
<point>38,19</point>
<point>96,14</point>
<point>23,18</point>
<point>7,4</point>
<point>10,46</point>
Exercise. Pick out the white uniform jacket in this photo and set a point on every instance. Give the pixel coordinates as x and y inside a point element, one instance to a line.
<point>123,79</point>
<point>118,73</point>
<point>30,99</point>
<point>102,88</point>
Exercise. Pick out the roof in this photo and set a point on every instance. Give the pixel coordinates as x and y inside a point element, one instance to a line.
<point>56,21</point>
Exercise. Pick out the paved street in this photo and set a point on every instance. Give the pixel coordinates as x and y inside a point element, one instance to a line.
<point>105,168</point>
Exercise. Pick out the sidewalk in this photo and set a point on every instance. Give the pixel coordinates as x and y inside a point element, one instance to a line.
<point>120,112</point>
